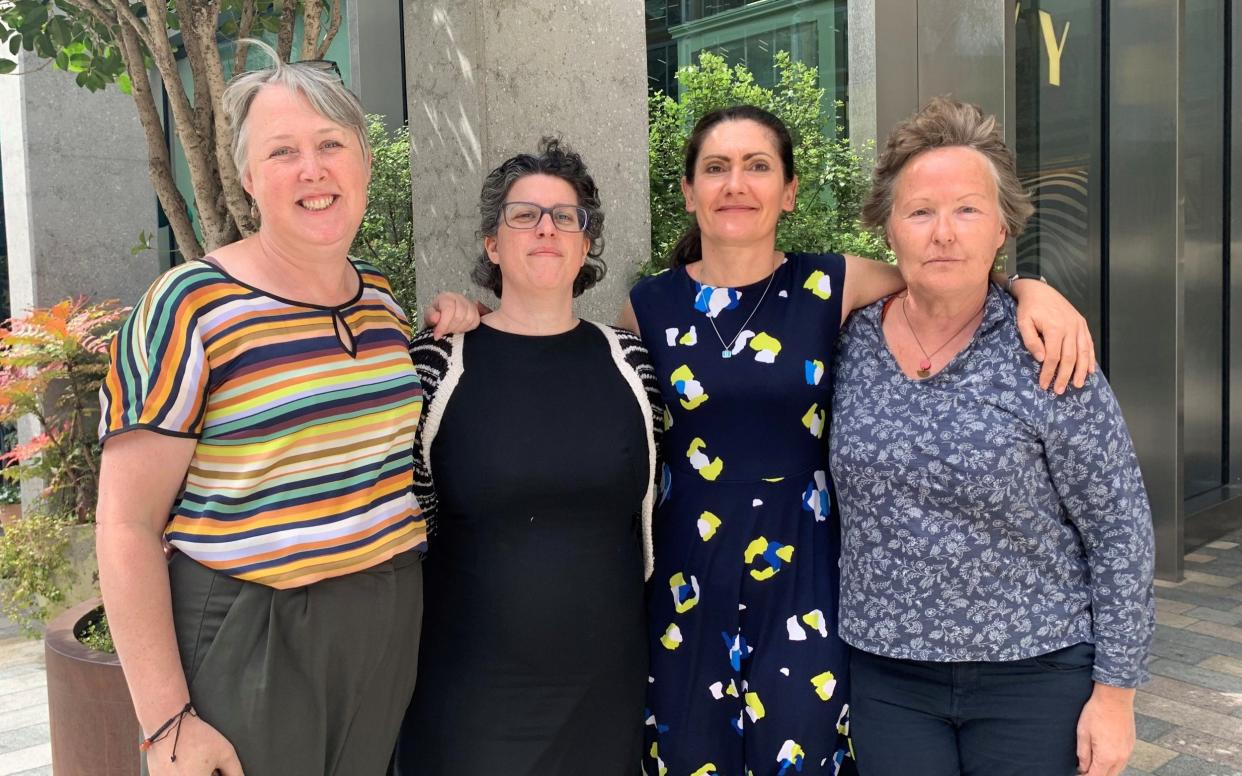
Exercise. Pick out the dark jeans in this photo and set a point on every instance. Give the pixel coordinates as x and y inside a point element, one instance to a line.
<point>1016,718</point>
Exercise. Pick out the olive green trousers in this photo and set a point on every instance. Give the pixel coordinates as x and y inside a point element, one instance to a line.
<point>312,680</point>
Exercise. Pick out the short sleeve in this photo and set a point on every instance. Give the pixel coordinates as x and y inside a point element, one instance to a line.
<point>158,376</point>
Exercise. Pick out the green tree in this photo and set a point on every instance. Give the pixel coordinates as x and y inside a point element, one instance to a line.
<point>117,41</point>
<point>386,237</point>
<point>833,177</point>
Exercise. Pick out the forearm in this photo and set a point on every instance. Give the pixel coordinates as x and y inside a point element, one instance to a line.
<point>133,576</point>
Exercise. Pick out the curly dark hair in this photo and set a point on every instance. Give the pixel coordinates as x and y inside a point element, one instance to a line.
<point>558,161</point>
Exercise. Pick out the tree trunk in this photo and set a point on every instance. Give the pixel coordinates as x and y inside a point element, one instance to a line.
<point>284,35</point>
<point>312,20</point>
<point>157,152</point>
<point>216,229</point>
<point>199,24</point>
<point>244,26</point>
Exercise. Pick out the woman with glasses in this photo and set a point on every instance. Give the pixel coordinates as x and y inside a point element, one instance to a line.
<point>259,416</point>
<point>535,465</point>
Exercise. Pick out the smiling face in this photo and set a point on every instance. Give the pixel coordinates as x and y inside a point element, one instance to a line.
<point>946,224</point>
<point>307,174</point>
<point>739,188</point>
<point>543,259</point>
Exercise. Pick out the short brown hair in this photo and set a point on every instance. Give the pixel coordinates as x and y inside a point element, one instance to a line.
<point>941,123</point>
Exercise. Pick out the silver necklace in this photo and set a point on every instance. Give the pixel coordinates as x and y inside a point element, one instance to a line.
<point>727,347</point>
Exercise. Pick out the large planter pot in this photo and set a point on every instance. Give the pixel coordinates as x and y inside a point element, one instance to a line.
<point>94,730</point>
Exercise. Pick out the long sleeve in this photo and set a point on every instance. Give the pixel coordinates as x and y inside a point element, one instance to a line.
<point>1095,471</point>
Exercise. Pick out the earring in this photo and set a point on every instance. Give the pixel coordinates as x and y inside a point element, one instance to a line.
<point>254,211</point>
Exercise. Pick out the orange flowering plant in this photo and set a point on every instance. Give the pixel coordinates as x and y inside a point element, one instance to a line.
<point>52,362</point>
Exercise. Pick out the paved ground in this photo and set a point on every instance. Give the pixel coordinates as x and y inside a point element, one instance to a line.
<point>24,747</point>
<point>1189,715</point>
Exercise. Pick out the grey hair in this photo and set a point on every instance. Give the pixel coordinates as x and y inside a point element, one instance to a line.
<point>319,85</point>
<point>556,160</point>
<point>944,122</point>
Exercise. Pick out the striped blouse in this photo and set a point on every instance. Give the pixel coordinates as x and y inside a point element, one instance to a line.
<point>304,415</point>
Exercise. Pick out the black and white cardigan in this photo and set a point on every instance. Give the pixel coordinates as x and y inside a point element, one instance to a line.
<point>440,367</point>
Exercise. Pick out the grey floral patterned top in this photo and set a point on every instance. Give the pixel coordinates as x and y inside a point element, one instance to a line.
<point>985,519</point>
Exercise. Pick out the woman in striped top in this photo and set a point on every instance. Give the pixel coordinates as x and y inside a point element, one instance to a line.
<point>259,417</point>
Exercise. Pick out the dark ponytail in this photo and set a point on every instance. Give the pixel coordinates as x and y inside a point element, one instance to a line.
<point>689,247</point>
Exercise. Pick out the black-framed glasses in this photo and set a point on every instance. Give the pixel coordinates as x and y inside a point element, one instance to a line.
<point>527,215</point>
<point>323,64</point>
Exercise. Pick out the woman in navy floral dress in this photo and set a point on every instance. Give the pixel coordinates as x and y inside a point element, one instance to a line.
<point>749,676</point>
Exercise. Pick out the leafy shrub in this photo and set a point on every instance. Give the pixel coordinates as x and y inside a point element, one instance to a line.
<point>386,237</point>
<point>95,633</point>
<point>34,568</point>
<point>52,363</point>
<point>833,177</point>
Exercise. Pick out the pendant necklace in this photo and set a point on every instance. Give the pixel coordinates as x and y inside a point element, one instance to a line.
<point>924,370</point>
<point>727,348</point>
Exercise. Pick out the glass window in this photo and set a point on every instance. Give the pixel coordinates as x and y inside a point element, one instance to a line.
<point>758,52</point>
<point>1059,147</point>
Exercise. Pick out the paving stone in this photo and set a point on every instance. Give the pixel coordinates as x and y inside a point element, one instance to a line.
<point>1199,557</point>
<point>18,680</point>
<point>1147,757</point>
<point>1223,545</point>
<point>1184,714</point>
<point>1161,646</point>
<point>1214,599</point>
<point>11,719</point>
<point>1193,638</point>
<point>47,771</point>
<point>1216,629</point>
<point>1150,728</point>
<point>24,759</point>
<point>1173,607</point>
<point>1213,615</point>
<point>1189,765</point>
<point>1203,746</point>
<point>1214,580</point>
<point>22,738</point>
<point>1190,684</point>
<point>1167,583</point>
<point>24,698</point>
<point>1175,620</point>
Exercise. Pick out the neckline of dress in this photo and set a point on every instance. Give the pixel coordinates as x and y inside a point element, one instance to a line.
<point>214,263</point>
<point>697,284</point>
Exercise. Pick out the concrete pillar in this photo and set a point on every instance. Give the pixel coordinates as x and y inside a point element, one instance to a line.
<point>903,53</point>
<point>76,193</point>
<point>76,190</point>
<point>486,79</point>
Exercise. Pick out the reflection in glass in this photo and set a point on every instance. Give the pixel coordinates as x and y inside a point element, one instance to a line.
<point>1058,146</point>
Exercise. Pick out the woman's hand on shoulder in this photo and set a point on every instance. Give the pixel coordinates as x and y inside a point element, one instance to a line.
<point>451,313</point>
<point>1055,333</point>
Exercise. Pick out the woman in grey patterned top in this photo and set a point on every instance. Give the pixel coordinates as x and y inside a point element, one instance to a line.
<point>997,553</point>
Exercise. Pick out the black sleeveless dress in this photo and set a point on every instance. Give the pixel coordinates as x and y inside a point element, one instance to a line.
<point>533,657</point>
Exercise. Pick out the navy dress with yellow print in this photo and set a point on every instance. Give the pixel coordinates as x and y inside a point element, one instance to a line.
<point>748,675</point>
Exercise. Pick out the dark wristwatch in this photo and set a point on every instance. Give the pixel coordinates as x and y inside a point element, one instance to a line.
<point>1022,275</point>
